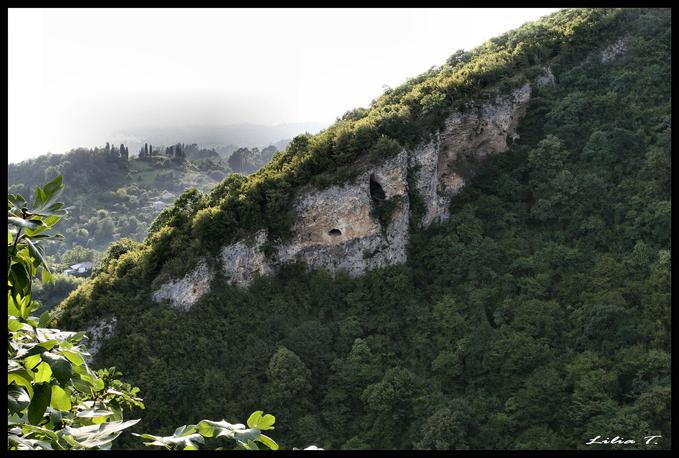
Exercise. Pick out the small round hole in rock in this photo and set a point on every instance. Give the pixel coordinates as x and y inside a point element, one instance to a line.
<point>335,232</point>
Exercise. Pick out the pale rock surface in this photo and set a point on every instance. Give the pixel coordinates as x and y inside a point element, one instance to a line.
<point>614,50</point>
<point>472,135</point>
<point>243,259</point>
<point>336,229</point>
<point>183,293</point>
<point>546,79</point>
<point>99,332</point>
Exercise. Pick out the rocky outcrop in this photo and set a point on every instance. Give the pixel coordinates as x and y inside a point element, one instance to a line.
<point>183,293</point>
<point>441,164</point>
<point>546,79</point>
<point>242,260</point>
<point>99,332</point>
<point>364,223</point>
<point>337,229</point>
<point>614,50</point>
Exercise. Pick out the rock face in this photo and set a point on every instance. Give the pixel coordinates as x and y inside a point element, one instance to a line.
<point>183,293</point>
<point>336,228</point>
<point>242,260</point>
<point>339,229</point>
<point>469,136</point>
<point>614,50</point>
<point>546,79</point>
<point>99,332</point>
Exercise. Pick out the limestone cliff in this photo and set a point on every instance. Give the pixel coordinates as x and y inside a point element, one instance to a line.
<point>338,229</point>
<point>99,332</point>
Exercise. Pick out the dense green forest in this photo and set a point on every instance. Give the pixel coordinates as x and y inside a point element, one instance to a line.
<point>55,400</point>
<point>537,317</point>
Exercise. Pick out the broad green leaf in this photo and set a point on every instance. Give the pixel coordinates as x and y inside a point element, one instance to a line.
<point>42,393</point>
<point>14,325</point>
<point>61,368</point>
<point>32,361</point>
<point>21,377</point>
<point>39,198</point>
<point>11,308</point>
<point>44,373</point>
<point>46,277</point>
<point>48,344</point>
<point>76,337</point>
<point>39,431</point>
<point>24,309</point>
<point>17,398</point>
<point>73,357</point>
<point>44,319</point>
<point>185,430</point>
<point>38,348</point>
<point>81,385</point>
<point>51,191</point>
<point>261,422</point>
<point>60,399</point>
<point>98,384</point>
<point>254,418</point>
<point>52,220</point>
<point>266,440</point>
<point>23,223</point>
<point>206,429</point>
<point>37,254</point>
<point>103,419</point>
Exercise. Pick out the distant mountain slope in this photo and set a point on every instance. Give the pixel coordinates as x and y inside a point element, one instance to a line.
<point>115,196</point>
<point>216,136</point>
<point>481,259</point>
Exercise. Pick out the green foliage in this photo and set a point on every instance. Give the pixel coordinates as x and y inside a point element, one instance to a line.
<point>55,400</point>
<point>215,435</point>
<point>538,316</point>
<point>114,197</point>
<point>53,292</point>
<point>78,254</point>
<point>449,428</point>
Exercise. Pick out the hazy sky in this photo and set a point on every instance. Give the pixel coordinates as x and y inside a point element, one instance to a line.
<point>78,75</point>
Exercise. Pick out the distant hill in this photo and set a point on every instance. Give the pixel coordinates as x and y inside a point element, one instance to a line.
<point>223,138</point>
<point>115,195</point>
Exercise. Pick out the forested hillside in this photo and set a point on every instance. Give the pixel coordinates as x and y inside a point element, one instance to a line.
<point>113,194</point>
<point>536,317</point>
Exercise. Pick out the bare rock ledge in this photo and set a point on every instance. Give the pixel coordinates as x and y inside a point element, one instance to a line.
<point>337,228</point>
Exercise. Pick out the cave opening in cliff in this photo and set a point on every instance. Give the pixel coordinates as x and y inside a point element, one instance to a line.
<point>335,232</point>
<point>376,191</point>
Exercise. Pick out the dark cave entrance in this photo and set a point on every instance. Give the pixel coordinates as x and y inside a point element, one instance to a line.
<point>376,191</point>
<point>335,232</point>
